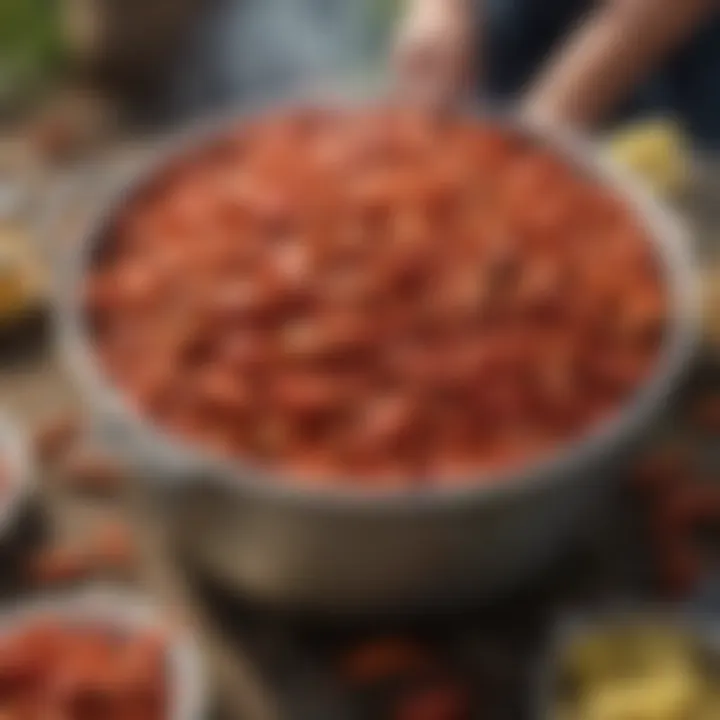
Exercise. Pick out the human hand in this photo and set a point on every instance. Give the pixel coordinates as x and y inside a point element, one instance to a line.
<point>433,52</point>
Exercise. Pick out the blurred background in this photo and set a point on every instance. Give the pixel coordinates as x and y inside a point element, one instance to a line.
<point>160,62</point>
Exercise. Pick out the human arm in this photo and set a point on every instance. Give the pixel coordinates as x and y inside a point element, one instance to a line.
<point>611,51</point>
<point>434,50</point>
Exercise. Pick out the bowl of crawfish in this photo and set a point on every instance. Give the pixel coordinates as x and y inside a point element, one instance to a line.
<point>96,654</point>
<point>379,358</point>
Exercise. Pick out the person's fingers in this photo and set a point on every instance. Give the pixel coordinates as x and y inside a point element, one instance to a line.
<point>432,73</point>
<point>419,78</point>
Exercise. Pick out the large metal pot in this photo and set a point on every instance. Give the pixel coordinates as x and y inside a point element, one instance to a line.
<point>348,550</point>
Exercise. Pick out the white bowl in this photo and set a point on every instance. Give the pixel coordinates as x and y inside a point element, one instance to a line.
<point>701,627</point>
<point>124,610</point>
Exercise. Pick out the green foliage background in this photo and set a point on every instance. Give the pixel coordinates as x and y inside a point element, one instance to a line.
<point>30,48</point>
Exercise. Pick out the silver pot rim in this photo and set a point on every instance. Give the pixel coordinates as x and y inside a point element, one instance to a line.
<point>185,462</point>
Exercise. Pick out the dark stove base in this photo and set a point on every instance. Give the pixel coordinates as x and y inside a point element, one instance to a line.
<point>492,652</point>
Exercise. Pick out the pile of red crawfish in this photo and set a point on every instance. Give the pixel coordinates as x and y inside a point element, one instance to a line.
<point>379,298</point>
<point>50,668</point>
